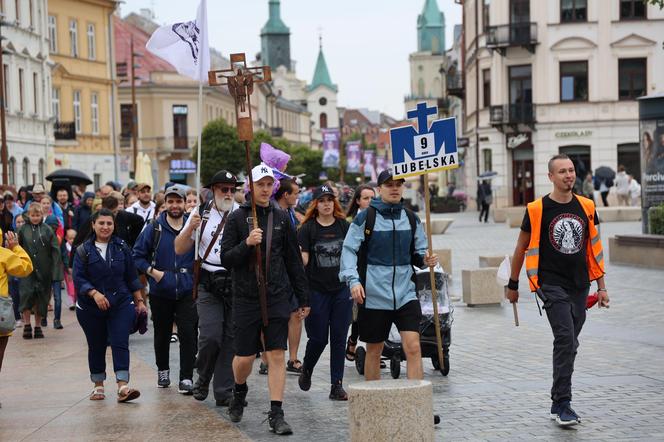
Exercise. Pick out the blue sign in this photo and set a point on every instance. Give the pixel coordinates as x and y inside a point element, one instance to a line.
<point>431,149</point>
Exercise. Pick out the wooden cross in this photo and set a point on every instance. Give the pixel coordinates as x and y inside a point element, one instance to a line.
<point>240,80</point>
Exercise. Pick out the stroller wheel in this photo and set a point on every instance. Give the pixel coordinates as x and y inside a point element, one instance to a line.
<point>360,356</point>
<point>395,367</point>
<point>446,359</point>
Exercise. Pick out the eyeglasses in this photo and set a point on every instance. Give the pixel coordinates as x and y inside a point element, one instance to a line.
<point>225,189</point>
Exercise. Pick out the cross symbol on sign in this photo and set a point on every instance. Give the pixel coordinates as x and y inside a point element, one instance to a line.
<point>421,113</point>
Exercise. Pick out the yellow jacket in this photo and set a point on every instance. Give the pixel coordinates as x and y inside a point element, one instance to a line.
<point>15,262</point>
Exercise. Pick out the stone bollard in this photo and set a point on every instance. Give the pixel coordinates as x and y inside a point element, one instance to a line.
<point>390,410</point>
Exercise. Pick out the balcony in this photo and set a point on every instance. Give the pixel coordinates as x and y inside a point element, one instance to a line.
<point>64,131</point>
<point>512,115</point>
<point>454,84</point>
<point>513,35</point>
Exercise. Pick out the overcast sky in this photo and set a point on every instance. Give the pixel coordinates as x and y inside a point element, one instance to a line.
<point>366,42</point>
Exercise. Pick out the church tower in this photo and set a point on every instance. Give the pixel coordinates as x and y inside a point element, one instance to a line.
<point>322,97</point>
<point>426,81</point>
<point>275,39</point>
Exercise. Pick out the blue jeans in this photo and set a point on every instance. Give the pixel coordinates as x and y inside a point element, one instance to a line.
<point>57,299</point>
<point>16,297</point>
<point>330,313</point>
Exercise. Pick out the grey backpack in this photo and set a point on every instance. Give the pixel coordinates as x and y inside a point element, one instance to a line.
<point>7,321</point>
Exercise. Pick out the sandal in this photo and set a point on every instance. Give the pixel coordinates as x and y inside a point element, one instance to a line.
<point>27,331</point>
<point>97,394</point>
<point>292,368</point>
<point>38,333</point>
<point>350,355</point>
<point>126,394</point>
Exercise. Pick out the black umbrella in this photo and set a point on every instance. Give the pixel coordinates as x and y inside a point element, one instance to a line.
<point>74,176</point>
<point>605,172</point>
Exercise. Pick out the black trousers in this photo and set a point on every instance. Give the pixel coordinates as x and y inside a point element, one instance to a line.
<point>182,312</point>
<point>484,211</point>
<point>566,311</point>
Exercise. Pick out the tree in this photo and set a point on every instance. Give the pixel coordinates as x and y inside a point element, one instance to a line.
<point>659,3</point>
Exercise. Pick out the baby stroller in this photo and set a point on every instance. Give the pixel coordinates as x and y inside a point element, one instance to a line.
<point>393,351</point>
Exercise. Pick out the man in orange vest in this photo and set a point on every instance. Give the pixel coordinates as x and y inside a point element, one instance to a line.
<point>560,241</point>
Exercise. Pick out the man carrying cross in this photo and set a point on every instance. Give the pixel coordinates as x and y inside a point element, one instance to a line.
<point>283,267</point>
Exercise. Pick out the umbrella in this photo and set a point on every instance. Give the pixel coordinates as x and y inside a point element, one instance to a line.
<point>75,176</point>
<point>605,172</point>
<point>144,169</point>
<point>489,174</point>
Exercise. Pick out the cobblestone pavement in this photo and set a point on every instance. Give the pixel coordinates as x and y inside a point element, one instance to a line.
<point>498,386</point>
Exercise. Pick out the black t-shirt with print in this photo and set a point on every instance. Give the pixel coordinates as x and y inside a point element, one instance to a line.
<point>324,244</point>
<point>563,239</point>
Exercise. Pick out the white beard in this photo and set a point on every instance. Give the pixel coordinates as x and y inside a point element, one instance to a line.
<point>223,204</point>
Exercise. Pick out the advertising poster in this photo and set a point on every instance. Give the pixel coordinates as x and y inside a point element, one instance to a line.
<point>369,161</point>
<point>652,162</point>
<point>330,148</point>
<point>381,163</point>
<point>353,157</point>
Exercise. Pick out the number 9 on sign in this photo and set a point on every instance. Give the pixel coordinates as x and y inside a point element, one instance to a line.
<point>425,145</point>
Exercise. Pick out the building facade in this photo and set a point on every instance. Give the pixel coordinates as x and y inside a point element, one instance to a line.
<point>543,78</point>
<point>83,94</point>
<point>27,75</point>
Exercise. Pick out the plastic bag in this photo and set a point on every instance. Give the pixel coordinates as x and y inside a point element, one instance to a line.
<point>503,274</point>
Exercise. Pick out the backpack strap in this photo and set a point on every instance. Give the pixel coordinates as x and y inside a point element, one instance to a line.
<point>369,223</point>
<point>82,254</point>
<point>412,219</point>
<point>156,237</point>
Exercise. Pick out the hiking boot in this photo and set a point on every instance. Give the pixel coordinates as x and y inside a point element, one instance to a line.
<point>200,390</point>
<point>277,423</point>
<point>57,324</point>
<point>186,387</point>
<point>337,393</point>
<point>38,333</point>
<point>236,406</point>
<point>566,416</point>
<point>291,368</point>
<point>163,379</point>
<point>27,331</point>
<point>304,380</point>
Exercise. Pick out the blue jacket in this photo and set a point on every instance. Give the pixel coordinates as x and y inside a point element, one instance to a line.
<point>114,276</point>
<point>178,277</point>
<point>388,284</point>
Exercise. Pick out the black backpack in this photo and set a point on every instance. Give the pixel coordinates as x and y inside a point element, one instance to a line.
<point>368,230</point>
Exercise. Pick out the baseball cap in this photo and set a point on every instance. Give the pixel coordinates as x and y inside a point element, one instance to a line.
<point>261,171</point>
<point>176,190</point>
<point>323,190</point>
<point>386,175</point>
<point>224,177</point>
<point>38,188</point>
<point>131,185</point>
<point>141,186</point>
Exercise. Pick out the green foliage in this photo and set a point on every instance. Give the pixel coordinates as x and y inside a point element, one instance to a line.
<point>656,220</point>
<point>659,3</point>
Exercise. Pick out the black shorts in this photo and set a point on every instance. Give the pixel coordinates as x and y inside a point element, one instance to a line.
<point>247,339</point>
<point>375,324</point>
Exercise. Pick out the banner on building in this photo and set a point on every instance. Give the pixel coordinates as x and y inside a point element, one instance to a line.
<point>381,162</point>
<point>369,163</point>
<point>428,149</point>
<point>354,156</point>
<point>652,162</point>
<point>331,138</point>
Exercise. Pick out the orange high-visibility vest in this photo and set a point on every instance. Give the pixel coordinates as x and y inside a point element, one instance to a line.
<point>594,252</point>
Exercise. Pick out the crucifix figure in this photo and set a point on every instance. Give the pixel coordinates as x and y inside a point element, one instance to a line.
<point>240,80</point>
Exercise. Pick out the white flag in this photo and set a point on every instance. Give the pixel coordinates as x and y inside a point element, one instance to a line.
<point>185,45</point>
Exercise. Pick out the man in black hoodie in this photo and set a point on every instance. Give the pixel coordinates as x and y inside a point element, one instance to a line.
<point>282,265</point>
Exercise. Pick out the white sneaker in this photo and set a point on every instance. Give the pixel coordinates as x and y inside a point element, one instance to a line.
<point>163,378</point>
<point>19,324</point>
<point>186,387</point>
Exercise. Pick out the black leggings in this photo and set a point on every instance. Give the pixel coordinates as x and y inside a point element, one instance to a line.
<point>354,332</point>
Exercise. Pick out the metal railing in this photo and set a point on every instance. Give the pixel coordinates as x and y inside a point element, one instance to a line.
<point>523,113</point>
<point>64,131</point>
<point>454,83</point>
<point>514,34</point>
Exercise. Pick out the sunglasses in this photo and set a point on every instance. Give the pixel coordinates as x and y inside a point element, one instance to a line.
<point>225,189</point>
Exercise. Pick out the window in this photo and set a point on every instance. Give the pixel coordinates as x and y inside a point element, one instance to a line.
<point>55,103</point>
<point>73,38</point>
<point>486,87</point>
<point>420,88</point>
<point>5,76</point>
<point>580,156</point>
<point>485,14</point>
<point>94,112</point>
<point>574,81</point>
<point>12,170</point>
<point>631,78</point>
<point>17,5</point>
<point>323,120</point>
<point>41,169</point>
<point>21,89</point>
<point>32,23</point>
<point>486,156</point>
<point>26,171</point>
<point>630,157</point>
<point>52,34</point>
<point>125,124</point>
<point>632,9</point>
<point>35,82</point>
<point>77,111</point>
<point>180,135</point>
<point>573,10</point>
<point>96,178</point>
<point>91,42</point>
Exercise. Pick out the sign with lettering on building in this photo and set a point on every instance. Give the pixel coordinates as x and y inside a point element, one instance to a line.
<point>428,149</point>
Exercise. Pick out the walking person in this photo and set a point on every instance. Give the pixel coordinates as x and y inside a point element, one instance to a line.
<point>321,239</point>
<point>622,186</point>
<point>108,300</point>
<point>560,241</point>
<point>144,207</point>
<point>588,188</point>
<point>214,362</point>
<point>171,282</point>
<point>284,273</point>
<point>40,242</point>
<point>361,200</point>
<point>379,271</point>
<point>485,198</point>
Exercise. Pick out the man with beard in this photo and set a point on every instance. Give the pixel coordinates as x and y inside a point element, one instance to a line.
<point>144,207</point>
<point>560,242</point>
<point>284,273</point>
<point>62,200</point>
<point>214,301</point>
<point>171,283</point>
